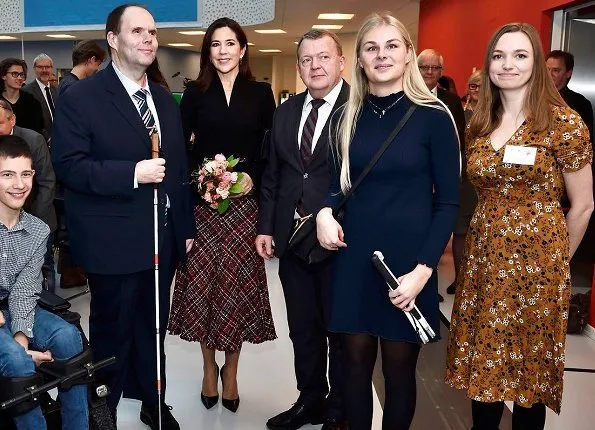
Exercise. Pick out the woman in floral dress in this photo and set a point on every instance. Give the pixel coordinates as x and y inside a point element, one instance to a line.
<point>525,149</point>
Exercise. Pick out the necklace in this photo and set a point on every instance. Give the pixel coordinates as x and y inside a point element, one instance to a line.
<point>383,111</point>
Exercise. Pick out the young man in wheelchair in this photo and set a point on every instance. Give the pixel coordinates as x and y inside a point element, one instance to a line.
<point>30,335</point>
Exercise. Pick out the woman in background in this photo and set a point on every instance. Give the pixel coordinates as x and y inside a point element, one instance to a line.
<point>525,148</point>
<point>221,298</point>
<point>406,207</point>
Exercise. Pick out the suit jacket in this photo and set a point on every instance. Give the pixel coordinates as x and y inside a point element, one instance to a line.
<point>455,107</point>
<point>33,89</point>
<point>98,137</point>
<point>285,181</point>
<point>41,200</point>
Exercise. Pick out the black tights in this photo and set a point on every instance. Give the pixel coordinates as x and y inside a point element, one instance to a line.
<point>486,416</point>
<point>398,366</point>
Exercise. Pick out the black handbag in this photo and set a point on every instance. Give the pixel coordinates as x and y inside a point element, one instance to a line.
<point>303,241</point>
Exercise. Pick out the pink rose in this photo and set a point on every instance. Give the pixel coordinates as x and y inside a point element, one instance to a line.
<point>227,177</point>
<point>220,157</point>
<point>234,177</point>
<point>224,185</point>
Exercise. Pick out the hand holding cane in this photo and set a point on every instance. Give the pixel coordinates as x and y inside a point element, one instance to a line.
<point>155,154</point>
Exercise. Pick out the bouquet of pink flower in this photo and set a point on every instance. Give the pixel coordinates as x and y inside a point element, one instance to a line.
<point>217,181</point>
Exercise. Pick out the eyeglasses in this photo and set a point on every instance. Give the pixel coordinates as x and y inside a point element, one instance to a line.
<point>16,75</point>
<point>430,68</point>
<point>474,86</point>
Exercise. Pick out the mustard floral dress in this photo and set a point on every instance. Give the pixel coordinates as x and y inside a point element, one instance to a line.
<point>508,326</point>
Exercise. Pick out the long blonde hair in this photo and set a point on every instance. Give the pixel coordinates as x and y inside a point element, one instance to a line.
<point>414,87</point>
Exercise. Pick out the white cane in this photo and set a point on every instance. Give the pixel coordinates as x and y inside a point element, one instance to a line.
<point>155,154</point>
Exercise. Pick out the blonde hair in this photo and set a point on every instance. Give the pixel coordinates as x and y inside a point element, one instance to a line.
<point>475,77</point>
<point>414,87</point>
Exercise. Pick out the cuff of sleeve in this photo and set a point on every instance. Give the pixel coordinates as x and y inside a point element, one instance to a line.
<point>22,325</point>
<point>135,179</point>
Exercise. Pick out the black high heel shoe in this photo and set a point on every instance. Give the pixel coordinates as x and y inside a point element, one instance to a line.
<point>210,401</point>
<point>230,404</point>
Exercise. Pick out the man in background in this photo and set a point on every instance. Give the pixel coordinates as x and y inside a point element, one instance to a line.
<point>41,89</point>
<point>87,56</point>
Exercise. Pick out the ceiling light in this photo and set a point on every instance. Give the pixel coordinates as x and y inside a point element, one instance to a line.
<point>588,21</point>
<point>269,50</point>
<point>2,37</point>
<point>192,32</point>
<point>250,44</point>
<point>61,36</point>
<point>327,27</point>
<point>179,45</point>
<point>274,31</point>
<point>297,43</point>
<point>337,16</point>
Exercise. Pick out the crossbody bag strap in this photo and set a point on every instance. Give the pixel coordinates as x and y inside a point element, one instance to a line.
<point>377,156</point>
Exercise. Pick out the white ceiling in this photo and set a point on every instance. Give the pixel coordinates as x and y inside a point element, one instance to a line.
<point>294,16</point>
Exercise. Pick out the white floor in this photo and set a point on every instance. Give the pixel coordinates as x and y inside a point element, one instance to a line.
<point>267,383</point>
<point>266,377</point>
<point>578,400</point>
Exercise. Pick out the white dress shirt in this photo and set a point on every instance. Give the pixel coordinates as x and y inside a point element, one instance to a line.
<point>324,112</point>
<point>132,87</point>
<point>42,87</point>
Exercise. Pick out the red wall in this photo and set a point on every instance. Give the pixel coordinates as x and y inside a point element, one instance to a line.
<point>461,29</point>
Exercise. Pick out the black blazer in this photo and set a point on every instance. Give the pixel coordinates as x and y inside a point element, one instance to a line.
<point>455,107</point>
<point>285,181</point>
<point>98,137</point>
<point>33,89</point>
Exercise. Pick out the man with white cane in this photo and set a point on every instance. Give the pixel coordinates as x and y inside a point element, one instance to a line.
<point>102,153</point>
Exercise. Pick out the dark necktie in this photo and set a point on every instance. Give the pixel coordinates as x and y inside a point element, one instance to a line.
<point>140,97</point>
<point>48,95</point>
<point>308,132</point>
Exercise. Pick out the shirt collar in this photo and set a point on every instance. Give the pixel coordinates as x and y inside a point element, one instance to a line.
<point>330,98</point>
<point>130,86</point>
<point>435,90</point>
<point>22,223</point>
<point>41,86</point>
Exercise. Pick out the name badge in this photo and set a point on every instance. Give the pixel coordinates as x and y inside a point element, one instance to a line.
<point>524,155</point>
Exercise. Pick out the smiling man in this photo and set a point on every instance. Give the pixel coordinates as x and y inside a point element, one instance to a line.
<point>294,185</point>
<point>102,155</point>
<point>45,93</point>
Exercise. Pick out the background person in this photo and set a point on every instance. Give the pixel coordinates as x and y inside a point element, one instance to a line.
<point>508,325</point>
<point>45,93</point>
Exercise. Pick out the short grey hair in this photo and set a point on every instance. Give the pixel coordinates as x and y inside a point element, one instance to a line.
<point>319,34</point>
<point>431,52</point>
<point>4,105</point>
<point>41,57</point>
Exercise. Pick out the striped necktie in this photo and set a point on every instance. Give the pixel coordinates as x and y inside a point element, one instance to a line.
<point>308,132</point>
<point>140,97</point>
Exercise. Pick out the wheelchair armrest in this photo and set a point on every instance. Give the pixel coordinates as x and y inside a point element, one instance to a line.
<point>12,388</point>
<point>64,369</point>
<point>52,302</point>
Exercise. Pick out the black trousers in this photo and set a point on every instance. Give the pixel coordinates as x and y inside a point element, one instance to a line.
<point>122,324</point>
<point>306,289</point>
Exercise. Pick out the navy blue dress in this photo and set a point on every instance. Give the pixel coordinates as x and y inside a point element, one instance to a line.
<point>406,208</point>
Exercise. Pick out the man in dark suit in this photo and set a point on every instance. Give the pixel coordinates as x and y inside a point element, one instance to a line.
<point>431,64</point>
<point>295,184</point>
<point>102,154</point>
<point>45,93</point>
<point>41,200</point>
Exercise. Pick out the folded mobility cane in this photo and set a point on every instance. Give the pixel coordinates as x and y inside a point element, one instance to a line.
<point>417,320</point>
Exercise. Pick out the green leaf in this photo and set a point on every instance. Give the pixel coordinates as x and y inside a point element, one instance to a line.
<point>222,206</point>
<point>236,188</point>
<point>233,162</point>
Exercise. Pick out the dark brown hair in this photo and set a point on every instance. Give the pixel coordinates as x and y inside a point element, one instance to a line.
<point>114,20</point>
<point>7,64</point>
<point>154,74</point>
<point>12,146</point>
<point>85,50</point>
<point>207,70</point>
<point>567,57</point>
<point>540,96</point>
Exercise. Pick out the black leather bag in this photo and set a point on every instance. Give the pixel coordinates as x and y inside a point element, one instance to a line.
<point>303,241</point>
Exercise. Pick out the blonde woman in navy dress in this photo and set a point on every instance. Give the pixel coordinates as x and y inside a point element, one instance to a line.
<point>406,207</point>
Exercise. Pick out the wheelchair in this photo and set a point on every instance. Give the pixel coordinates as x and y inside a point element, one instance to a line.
<point>20,395</point>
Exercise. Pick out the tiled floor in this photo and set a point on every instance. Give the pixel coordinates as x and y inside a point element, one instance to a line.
<point>267,382</point>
